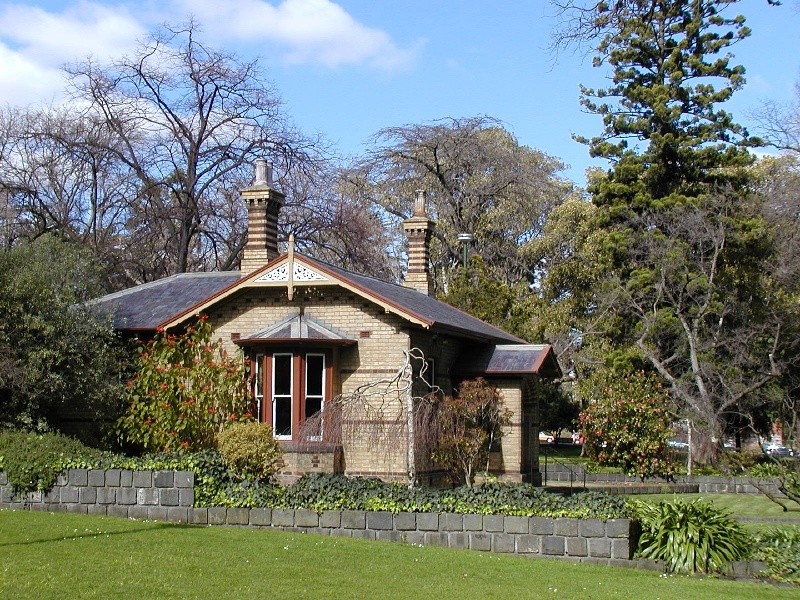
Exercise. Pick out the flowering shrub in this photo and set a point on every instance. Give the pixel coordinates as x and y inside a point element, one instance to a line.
<point>185,391</point>
<point>627,423</point>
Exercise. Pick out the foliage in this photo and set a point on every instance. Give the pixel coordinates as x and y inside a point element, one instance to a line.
<point>786,471</point>
<point>478,180</point>
<point>250,450</point>
<point>627,423</point>
<point>32,461</point>
<point>469,424</point>
<point>780,549</point>
<point>690,537</point>
<point>57,358</point>
<point>185,391</point>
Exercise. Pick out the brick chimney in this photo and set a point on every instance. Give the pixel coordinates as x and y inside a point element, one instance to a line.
<point>263,205</point>
<point>418,230</point>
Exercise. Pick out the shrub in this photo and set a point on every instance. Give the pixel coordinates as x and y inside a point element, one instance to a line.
<point>780,549</point>
<point>32,461</point>
<point>185,391</point>
<point>469,424</point>
<point>627,423</point>
<point>690,537</point>
<point>250,450</point>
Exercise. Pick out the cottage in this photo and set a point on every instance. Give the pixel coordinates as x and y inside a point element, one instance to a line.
<point>315,332</point>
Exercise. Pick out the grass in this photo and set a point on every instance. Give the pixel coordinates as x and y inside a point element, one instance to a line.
<point>46,555</point>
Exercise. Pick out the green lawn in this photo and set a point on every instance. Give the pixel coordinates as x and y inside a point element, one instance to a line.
<point>44,555</point>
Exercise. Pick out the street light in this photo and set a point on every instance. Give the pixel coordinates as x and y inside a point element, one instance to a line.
<point>465,239</point>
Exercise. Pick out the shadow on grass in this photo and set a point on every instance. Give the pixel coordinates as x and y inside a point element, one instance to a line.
<point>151,527</point>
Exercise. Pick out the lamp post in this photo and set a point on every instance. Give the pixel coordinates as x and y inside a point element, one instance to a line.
<point>465,239</point>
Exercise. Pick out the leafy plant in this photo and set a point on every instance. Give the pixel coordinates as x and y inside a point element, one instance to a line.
<point>33,461</point>
<point>184,393</point>
<point>627,423</point>
<point>469,424</point>
<point>250,450</point>
<point>780,549</point>
<point>690,537</point>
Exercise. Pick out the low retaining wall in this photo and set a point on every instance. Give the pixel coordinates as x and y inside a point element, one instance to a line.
<point>156,495</point>
<point>168,496</point>
<point>556,473</point>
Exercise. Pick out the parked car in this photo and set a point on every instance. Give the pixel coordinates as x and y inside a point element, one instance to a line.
<point>776,450</point>
<point>577,438</point>
<point>547,438</point>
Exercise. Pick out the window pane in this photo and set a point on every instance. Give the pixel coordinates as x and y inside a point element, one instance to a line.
<point>283,416</point>
<point>315,369</point>
<point>282,374</point>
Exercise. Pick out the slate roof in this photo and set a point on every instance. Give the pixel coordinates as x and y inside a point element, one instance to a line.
<point>509,359</point>
<point>437,314</point>
<point>297,326</point>
<point>146,306</point>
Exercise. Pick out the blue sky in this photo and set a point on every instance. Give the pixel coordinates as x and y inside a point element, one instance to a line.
<point>351,67</point>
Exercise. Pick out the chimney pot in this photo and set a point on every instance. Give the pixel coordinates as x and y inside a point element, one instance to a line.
<point>419,204</point>
<point>263,172</point>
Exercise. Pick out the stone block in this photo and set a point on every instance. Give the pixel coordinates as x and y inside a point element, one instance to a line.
<point>480,541</point>
<point>528,544</point>
<point>137,511</point>
<point>97,509</point>
<point>81,509</point>
<point>177,514</point>
<point>87,495</point>
<point>157,513</point>
<point>216,515</point>
<point>164,479</point>
<point>184,479</point>
<point>621,548</point>
<point>185,497</point>
<point>504,542</point>
<point>342,532</point>
<point>96,478</point>
<point>427,522</point>
<point>553,545</point>
<point>115,510</point>
<point>451,522</point>
<point>473,522</point>
<point>282,517</point>
<point>380,520</point>
<point>261,517</point>
<point>436,538</point>
<point>362,534</point>
<point>106,495</point>
<point>112,477</point>
<point>591,528</point>
<point>566,527</point>
<point>168,497</point>
<point>383,535</point>
<point>61,480</point>
<point>330,519</point>
<point>126,478</point>
<point>4,478</point>
<point>354,519</point>
<point>618,528</point>
<point>405,521</point>
<point>577,547</point>
<point>540,526</point>
<point>306,518</point>
<point>198,516</point>
<point>599,547</point>
<point>415,538</point>
<point>237,516</point>
<point>493,523</point>
<point>147,496</point>
<point>458,539</point>
<point>78,477</point>
<point>126,495</point>
<point>143,479</point>
<point>516,525</point>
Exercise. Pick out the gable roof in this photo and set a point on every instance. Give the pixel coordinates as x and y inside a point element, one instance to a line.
<point>297,327</point>
<point>170,301</point>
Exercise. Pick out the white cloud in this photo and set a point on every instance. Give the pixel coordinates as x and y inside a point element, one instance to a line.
<point>35,44</point>
<point>307,31</point>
